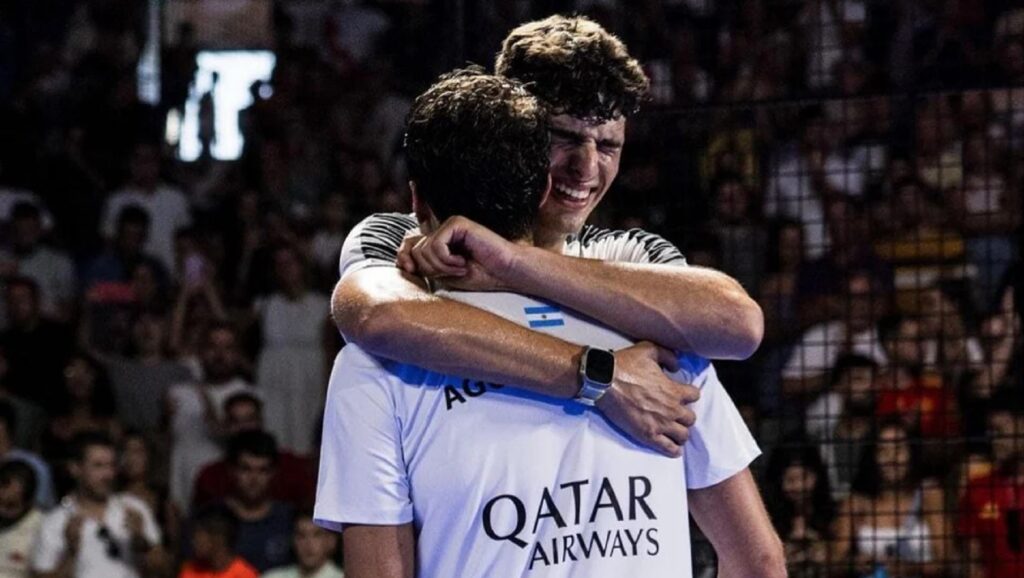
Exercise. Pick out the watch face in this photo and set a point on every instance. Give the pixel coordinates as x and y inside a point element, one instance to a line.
<point>600,366</point>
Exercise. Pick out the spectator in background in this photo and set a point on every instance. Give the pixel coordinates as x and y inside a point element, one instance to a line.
<point>197,308</point>
<point>32,420</point>
<point>294,479</point>
<point>44,495</point>
<point>135,477</point>
<point>314,550</point>
<point>97,533</point>
<point>85,404</point>
<point>1000,334</point>
<point>166,205</point>
<point>329,236</point>
<point>801,507</point>
<point>214,535</point>
<point>194,410</point>
<point>264,525</point>
<point>741,237</point>
<point>853,330</point>
<point>894,520</point>
<point>141,379</point>
<point>777,292</point>
<point>109,295</point>
<point>36,347</point>
<point>840,419</point>
<point>992,509</point>
<point>52,270</point>
<point>20,519</point>
<point>293,362</point>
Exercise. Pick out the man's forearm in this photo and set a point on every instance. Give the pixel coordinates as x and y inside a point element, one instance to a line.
<point>683,308</point>
<point>732,516</point>
<point>390,316</point>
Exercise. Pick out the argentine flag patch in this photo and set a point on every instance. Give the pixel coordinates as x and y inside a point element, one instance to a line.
<point>544,316</point>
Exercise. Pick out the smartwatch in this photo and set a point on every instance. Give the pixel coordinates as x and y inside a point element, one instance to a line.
<point>597,368</point>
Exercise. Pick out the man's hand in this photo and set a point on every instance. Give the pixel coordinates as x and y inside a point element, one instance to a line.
<point>462,253</point>
<point>647,404</point>
<point>73,532</point>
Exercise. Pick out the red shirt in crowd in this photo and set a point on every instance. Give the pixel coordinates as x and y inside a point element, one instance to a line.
<point>933,407</point>
<point>294,482</point>
<point>238,568</point>
<point>992,512</point>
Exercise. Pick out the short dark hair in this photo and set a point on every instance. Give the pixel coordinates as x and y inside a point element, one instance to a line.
<point>26,210</point>
<point>575,67</point>
<point>477,146</point>
<point>20,471</point>
<point>242,397</point>
<point>847,362</point>
<point>133,215</point>
<point>81,443</point>
<point>218,520</point>
<point>255,443</point>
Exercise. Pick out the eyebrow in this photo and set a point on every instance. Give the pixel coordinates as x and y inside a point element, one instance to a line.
<point>575,136</point>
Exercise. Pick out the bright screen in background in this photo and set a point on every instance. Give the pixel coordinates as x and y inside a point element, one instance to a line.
<point>236,71</point>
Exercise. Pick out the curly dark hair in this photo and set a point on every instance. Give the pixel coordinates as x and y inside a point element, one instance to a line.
<point>575,67</point>
<point>477,146</point>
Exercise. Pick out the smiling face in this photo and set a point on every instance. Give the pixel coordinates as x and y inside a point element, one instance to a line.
<point>584,162</point>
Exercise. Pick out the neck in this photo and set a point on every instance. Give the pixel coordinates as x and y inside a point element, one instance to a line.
<point>221,560</point>
<point>91,504</point>
<point>549,241</point>
<point>250,512</point>
<point>311,570</point>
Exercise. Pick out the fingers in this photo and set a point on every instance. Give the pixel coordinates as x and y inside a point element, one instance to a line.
<point>433,258</point>
<point>686,418</point>
<point>667,358</point>
<point>667,446</point>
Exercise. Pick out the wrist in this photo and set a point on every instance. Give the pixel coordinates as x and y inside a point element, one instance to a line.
<point>522,262</point>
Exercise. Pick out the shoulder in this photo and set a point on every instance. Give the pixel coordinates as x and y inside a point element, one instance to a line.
<point>130,502</point>
<point>385,225</point>
<point>635,245</point>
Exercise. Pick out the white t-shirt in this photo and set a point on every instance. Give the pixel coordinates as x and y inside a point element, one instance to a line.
<point>16,543</point>
<point>500,482</point>
<point>820,346</point>
<point>168,211</point>
<point>375,241</point>
<point>96,555</point>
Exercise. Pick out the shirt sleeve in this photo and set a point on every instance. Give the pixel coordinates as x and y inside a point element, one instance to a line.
<point>49,546</point>
<point>363,478</point>
<point>631,246</point>
<point>720,445</point>
<point>374,242</point>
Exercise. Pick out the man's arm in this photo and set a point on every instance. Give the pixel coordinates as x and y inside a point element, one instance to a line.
<point>732,516</point>
<point>379,551</point>
<point>688,309</point>
<point>389,314</point>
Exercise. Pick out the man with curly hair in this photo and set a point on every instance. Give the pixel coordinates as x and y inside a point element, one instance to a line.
<point>546,485</point>
<point>632,281</point>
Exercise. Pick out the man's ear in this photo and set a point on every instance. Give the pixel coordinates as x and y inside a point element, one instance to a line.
<point>424,214</point>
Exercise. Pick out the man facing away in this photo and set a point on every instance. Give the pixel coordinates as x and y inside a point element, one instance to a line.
<point>633,281</point>
<point>433,474</point>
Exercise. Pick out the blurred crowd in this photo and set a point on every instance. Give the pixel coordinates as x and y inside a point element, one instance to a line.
<point>164,330</point>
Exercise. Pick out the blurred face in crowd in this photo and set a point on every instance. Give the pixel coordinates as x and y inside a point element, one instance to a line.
<point>288,270</point>
<point>1007,434</point>
<point>145,283</point>
<point>905,348</point>
<point>798,483</point>
<point>791,246</point>
<point>334,211</point>
<point>96,471</point>
<point>314,546</point>
<point>733,201</point>
<point>148,334</point>
<point>206,545</point>
<point>584,162</point>
<point>26,231</point>
<point>863,304</point>
<point>893,456</point>
<point>243,416</point>
<point>22,304</point>
<point>79,379</point>
<point>857,383</point>
<point>252,478</point>
<point>131,238</point>
<point>220,356</point>
<point>13,501</point>
<point>134,458</point>
<point>145,166</point>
